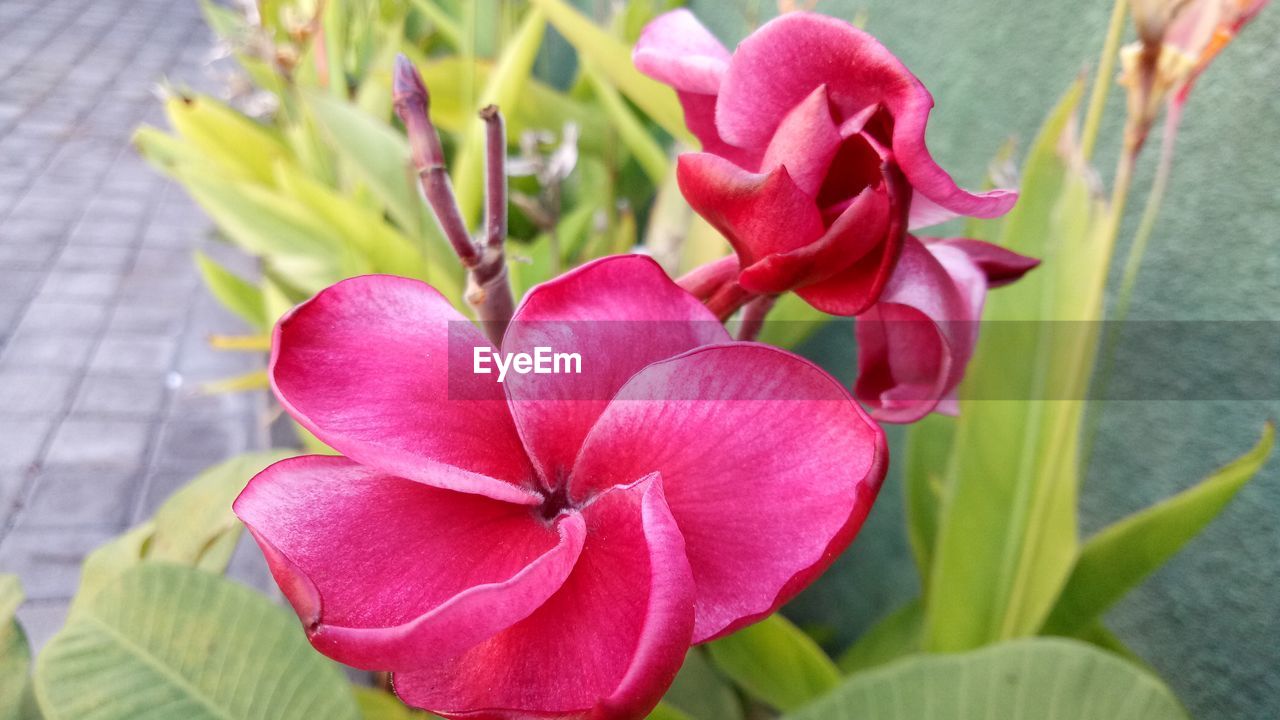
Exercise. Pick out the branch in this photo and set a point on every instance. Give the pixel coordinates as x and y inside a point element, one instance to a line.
<point>753,315</point>
<point>411,100</point>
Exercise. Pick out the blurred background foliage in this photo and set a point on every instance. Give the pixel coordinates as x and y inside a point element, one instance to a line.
<point>304,167</point>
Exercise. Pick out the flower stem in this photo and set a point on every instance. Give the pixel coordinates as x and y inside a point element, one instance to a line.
<point>488,285</point>
<point>753,315</point>
<point>1150,212</point>
<point>1102,84</point>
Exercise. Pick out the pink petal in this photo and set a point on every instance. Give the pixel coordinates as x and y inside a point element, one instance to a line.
<point>389,573</point>
<point>775,68</point>
<point>1000,266</point>
<point>676,49</point>
<point>759,214</point>
<point>605,646</point>
<point>769,468</point>
<point>365,365</point>
<point>833,264</point>
<point>806,142</point>
<point>619,314</point>
<point>856,287</point>
<point>914,344</point>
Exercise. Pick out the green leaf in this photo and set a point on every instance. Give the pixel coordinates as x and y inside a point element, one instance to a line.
<point>191,522</point>
<point>894,636</point>
<point>613,59</point>
<point>278,228</point>
<point>376,153</point>
<point>700,692</point>
<point>378,705</point>
<point>1121,556</point>
<point>441,21</point>
<point>170,642</point>
<point>235,293</point>
<point>924,474</point>
<point>1007,525</point>
<point>791,322</point>
<point>776,663</point>
<point>506,82</point>
<point>648,153</point>
<point>15,654</point>
<point>1029,679</point>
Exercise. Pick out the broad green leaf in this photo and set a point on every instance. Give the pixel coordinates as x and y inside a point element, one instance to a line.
<point>503,88</point>
<point>665,711</point>
<point>243,147</point>
<point>894,636</point>
<point>192,522</point>
<point>376,153</point>
<point>1121,556</point>
<point>1007,527</point>
<point>646,150</point>
<point>531,263</point>
<point>1032,679</point>
<point>613,59</point>
<point>169,642</point>
<point>702,693</point>
<point>235,293</point>
<point>378,705</point>
<point>928,451</point>
<point>167,153</point>
<point>776,663</point>
<point>15,654</point>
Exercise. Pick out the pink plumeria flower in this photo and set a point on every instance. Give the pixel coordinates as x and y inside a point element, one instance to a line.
<point>549,547</point>
<point>915,342</point>
<point>814,162</point>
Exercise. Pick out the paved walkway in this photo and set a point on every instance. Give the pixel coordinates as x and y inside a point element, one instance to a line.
<point>102,317</point>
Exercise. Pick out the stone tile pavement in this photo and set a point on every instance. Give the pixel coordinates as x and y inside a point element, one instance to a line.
<point>102,317</point>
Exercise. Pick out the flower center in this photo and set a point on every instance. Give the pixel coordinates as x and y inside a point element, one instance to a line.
<point>554,502</point>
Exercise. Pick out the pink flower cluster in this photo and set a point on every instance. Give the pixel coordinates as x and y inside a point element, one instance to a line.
<point>551,546</point>
<point>814,167</point>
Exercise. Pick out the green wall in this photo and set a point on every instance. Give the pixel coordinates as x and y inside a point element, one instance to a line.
<point>1210,620</point>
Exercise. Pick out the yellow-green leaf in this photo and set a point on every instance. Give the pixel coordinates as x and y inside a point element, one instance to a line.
<point>235,293</point>
<point>243,147</point>
<point>894,636</point>
<point>651,157</point>
<point>1121,556</point>
<point>15,654</point>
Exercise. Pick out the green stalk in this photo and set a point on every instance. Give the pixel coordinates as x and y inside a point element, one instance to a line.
<point>1150,212</point>
<point>1102,84</point>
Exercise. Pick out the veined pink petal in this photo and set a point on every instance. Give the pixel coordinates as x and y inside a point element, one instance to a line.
<point>619,314</point>
<point>777,66</point>
<point>805,142</point>
<point>759,214</point>
<point>388,573</point>
<point>366,366</point>
<point>768,465</point>
<point>676,49</point>
<point>605,646</point>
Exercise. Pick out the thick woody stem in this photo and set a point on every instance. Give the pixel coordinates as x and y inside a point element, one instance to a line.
<point>753,315</point>
<point>488,287</point>
<point>411,102</point>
